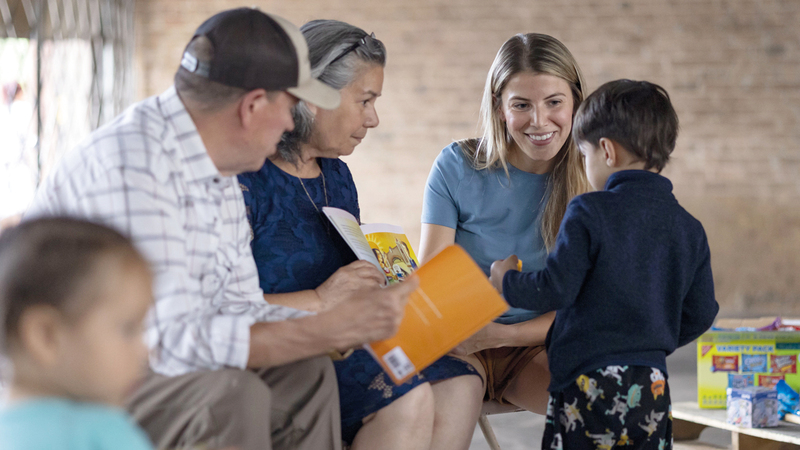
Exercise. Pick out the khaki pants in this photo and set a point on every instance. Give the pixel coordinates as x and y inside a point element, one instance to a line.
<point>502,366</point>
<point>295,406</point>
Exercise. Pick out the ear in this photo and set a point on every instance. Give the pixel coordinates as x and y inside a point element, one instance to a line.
<point>312,108</point>
<point>251,106</point>
<point>40,333</point>
<point>610,151</point>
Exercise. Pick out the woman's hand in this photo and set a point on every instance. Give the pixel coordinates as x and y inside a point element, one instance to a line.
<point>499,269</point>
<point>344,282</point>
<point>493,335</point>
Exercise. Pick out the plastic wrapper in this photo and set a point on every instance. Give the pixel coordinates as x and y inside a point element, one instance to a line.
<point>788,399</point>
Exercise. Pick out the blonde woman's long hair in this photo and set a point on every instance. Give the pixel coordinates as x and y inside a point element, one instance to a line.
<point>539,54</point>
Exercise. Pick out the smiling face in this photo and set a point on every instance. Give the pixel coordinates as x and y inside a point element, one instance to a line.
<point>537,110</point>
<point>337,132</point>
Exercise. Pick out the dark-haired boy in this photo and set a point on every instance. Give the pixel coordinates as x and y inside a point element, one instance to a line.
<point>630,276</point>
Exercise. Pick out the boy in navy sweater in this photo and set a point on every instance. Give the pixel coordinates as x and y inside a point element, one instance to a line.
<point>630,277</point>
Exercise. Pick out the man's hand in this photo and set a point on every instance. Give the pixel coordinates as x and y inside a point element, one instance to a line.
<point>371,314</point>
<point>348,280</point>
<point>366,315</point>
<point>499,269</point>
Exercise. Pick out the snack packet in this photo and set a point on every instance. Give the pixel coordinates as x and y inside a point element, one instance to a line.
<point>788,399</point>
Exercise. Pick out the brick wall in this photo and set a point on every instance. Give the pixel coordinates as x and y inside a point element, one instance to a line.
<point>732,68</point>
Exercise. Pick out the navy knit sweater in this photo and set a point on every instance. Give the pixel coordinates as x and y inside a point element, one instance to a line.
<point>630,276</point>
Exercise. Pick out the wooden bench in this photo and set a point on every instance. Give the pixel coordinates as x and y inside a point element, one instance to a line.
<point>688,420</point>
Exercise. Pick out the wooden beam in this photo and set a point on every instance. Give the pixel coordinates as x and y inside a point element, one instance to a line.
<point>746,442</point>
<point>683,430</point>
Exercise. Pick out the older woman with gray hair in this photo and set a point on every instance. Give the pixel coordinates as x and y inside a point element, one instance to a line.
<point>304,263</point>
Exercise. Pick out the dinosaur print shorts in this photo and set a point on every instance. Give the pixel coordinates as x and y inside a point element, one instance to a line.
<point>625,407</point>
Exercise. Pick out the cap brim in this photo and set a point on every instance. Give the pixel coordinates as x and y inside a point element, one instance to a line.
<point>318,93</point>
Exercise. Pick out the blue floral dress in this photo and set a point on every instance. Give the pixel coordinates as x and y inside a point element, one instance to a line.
<point>296,248</point>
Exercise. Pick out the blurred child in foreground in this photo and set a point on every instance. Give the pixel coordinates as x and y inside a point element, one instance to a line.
<point>72,299</point>
<point>630,277</point>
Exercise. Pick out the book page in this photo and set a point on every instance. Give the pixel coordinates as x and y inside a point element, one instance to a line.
<point>392,250</point>
<point>348,227</point>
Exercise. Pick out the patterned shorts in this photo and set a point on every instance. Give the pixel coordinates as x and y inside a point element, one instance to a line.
<point>625,407</point>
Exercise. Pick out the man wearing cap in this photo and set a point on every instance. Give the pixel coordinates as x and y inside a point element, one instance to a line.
<point>228,369</point>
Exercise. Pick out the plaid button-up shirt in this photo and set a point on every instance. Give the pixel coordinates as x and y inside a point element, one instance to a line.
<point>148,174</point>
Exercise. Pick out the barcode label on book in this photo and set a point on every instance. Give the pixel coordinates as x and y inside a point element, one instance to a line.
<point>398,363</point>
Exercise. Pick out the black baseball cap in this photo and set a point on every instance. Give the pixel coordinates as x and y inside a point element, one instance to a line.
<point>256,50</point>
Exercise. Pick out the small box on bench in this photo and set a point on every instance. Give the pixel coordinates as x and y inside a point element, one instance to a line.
<point>753,407</point>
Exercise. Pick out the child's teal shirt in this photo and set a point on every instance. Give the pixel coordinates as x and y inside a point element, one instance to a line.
<point>59,424</point>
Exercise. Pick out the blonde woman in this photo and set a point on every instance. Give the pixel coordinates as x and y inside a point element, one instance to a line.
<point>506,193</point>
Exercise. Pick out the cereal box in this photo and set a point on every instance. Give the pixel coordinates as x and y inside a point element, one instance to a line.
<point>753,407</point>
<point>723,357</point>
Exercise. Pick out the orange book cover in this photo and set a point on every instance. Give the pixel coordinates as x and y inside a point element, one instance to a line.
<point>454,300</point>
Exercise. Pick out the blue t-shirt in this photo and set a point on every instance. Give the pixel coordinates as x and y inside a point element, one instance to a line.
<point>59,424</point>
<point>494,215</point>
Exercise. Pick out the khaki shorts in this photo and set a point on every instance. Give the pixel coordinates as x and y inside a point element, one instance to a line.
<point>502,365</point>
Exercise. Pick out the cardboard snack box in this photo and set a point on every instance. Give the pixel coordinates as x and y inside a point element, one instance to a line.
<point>739,359</point>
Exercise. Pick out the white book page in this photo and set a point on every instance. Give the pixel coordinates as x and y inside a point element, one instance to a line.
<point>348,227</point>
<point>369,228</point>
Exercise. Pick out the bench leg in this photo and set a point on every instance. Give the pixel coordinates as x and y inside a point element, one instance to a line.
<point>683,430</point>
<point>747,442</point>
<point>488,433</point>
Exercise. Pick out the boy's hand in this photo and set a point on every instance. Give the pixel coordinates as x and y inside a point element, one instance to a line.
<point>499,269</point>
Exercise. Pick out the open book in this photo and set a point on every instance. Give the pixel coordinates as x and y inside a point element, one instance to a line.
<point>454,299</point>
<point>385,246</point>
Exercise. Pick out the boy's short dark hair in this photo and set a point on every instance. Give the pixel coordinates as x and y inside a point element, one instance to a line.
<point>635,114</point>
<point>50,262</point>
